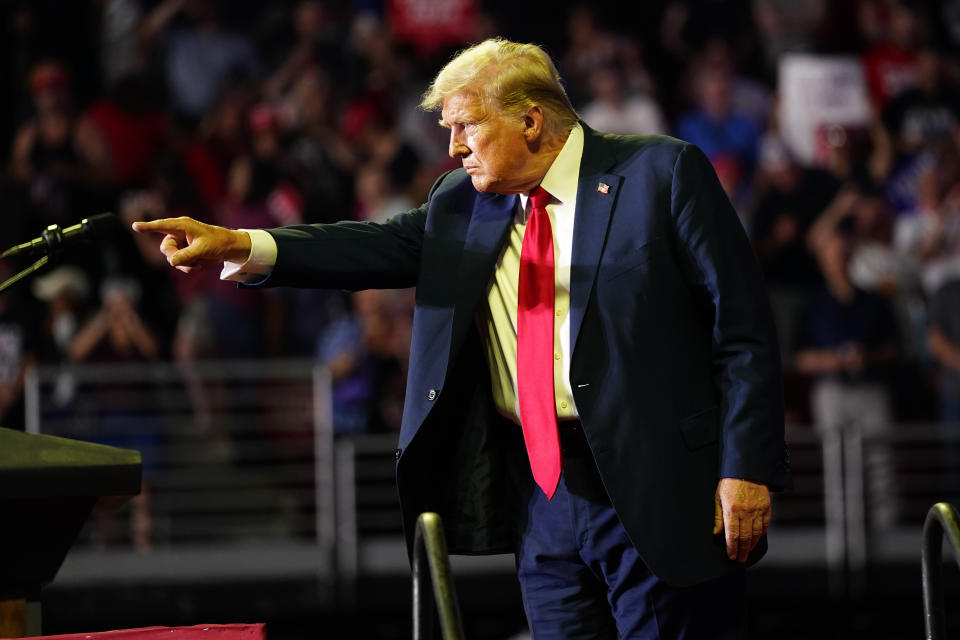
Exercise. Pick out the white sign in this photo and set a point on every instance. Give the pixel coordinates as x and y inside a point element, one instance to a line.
<point>818,96</point>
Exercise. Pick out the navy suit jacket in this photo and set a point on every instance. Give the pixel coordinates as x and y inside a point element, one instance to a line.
<point>675,367</point>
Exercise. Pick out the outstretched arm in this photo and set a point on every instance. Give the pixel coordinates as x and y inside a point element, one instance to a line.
<point>346,255</point>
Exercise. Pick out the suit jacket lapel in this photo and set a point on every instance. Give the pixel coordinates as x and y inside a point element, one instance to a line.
<point>596,195</point>
<point>445,310</point>
<point>488,227</point>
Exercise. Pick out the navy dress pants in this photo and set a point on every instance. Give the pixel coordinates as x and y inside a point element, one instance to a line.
<point>581,577</point>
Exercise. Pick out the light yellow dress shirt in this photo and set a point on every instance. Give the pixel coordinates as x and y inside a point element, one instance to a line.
<point>497,320</point>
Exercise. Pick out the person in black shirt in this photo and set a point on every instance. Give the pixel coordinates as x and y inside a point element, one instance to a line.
<point>846,339</point>
<point>926,113</point>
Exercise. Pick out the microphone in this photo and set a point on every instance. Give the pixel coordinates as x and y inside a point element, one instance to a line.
<point>53,238</point>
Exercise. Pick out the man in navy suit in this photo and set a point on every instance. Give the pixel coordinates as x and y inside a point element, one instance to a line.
<point>668,425</point>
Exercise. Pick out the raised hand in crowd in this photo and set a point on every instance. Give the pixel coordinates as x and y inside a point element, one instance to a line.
<point>116,331</point>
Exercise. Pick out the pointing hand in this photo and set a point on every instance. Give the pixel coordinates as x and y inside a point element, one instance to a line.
<point>189,244</point>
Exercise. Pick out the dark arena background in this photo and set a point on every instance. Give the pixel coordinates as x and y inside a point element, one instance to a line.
<point>266,420</point>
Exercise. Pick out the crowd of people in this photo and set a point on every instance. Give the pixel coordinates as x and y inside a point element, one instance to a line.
<point>253,115</point>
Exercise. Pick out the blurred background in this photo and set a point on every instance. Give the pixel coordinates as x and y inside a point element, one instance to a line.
<point>267,419</point>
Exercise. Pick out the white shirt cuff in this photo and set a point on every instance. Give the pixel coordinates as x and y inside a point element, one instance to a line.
<point>260,262</point>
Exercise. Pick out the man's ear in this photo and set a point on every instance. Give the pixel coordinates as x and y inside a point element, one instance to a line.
<point>533,123</point>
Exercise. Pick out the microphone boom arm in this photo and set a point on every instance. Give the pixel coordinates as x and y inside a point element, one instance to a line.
<point>14,279</point>
<point>52,242</point>
<point>53,238</point>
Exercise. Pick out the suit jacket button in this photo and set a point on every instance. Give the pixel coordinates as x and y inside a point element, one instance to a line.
<point>432,394</point>
<point>396,454</point>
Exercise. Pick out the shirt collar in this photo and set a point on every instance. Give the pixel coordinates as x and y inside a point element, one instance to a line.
<point>563,175</point>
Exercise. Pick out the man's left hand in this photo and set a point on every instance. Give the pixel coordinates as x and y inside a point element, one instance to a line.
<point>742,515</point>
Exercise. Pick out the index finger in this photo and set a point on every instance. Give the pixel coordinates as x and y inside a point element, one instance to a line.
<point>163,225</point>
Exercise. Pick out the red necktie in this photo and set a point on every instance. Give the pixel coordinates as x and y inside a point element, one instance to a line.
<point>535,322</point>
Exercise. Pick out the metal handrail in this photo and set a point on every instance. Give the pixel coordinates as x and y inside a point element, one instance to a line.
<point>941,519</point>
<point>431,563</point>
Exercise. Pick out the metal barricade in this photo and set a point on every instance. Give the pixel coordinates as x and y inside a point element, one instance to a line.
<point>369,530</point>
<point>238,467</point>
<point>244,478</point>
<point>877,490</point>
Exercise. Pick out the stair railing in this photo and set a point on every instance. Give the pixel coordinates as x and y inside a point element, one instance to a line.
<point>942,519</point>
<point>431,565</point>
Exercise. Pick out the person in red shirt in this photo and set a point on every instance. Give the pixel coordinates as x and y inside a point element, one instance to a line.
<point>890,65</point>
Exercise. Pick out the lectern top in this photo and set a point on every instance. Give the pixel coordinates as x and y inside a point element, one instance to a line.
<point>43,466</point>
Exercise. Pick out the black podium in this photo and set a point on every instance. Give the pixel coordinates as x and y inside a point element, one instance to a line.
<point>48,488</point>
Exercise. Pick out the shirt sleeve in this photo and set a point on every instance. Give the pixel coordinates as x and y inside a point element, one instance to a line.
<point>260,262</point>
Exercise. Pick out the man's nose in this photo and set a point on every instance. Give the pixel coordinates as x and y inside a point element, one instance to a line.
<point>457,149</point>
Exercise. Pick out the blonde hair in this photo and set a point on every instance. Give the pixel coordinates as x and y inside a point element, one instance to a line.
<point>508,78</point>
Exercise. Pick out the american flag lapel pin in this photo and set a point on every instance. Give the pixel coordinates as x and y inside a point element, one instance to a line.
<point>603,188</point>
